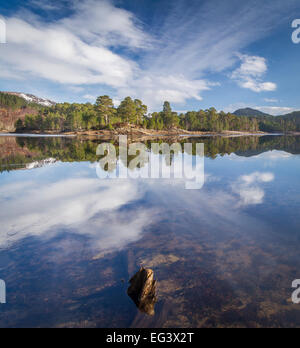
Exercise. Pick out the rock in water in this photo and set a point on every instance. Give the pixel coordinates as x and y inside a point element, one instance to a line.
<point>142,290</point>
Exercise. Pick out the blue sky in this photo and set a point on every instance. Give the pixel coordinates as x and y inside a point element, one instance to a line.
<point>196,54</point>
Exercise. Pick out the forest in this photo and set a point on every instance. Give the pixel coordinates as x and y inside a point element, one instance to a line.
<point>104,115</point>
<point>75,117</point>
<point>14,102</point>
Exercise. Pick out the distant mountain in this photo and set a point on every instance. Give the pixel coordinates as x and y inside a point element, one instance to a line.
<point>269,123</point>
<point>250,113</point>
<point>30,98</point>
<point>256,113</point>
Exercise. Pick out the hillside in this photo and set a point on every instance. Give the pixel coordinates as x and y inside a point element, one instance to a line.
<point>31,99</point>
<point>14,106</point>
<point>250,113</point>
<point>9,116</point>
<point>292,115</point>
<point>268,123</point>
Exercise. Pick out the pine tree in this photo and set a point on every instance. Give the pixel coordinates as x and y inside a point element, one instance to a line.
<point>105,108</point>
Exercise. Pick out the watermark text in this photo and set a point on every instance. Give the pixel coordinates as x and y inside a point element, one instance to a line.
<point>2,292</point>
<point>158,161</point>
<point>296,33</point>
<point>296,293</point>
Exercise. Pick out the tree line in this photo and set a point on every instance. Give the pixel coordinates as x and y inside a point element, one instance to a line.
<point>104,115</point>
<point>287,123</point>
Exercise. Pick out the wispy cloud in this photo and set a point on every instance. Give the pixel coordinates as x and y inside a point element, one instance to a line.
<point>271,100</point>
<point>46,5</point>
<point>276,110</point>
<point>74,50</point>
<point>99,43</point>
<point>90,97</point>
<point>101,23</point>
<point>204,38</point>
<point>82,206</point>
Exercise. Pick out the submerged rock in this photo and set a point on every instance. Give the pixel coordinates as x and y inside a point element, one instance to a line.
<point>142,290</point>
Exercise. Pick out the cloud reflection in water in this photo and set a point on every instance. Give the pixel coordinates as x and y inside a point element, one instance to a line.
<point>82,205</point>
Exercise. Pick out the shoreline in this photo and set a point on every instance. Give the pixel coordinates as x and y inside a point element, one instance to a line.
<point>135,132</point>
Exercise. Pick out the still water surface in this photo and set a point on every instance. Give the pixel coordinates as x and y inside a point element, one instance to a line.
<point>225,255</point>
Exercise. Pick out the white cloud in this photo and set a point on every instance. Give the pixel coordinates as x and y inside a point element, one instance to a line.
<point>116,102</point>
<point>84,206</point>
<point>257,177</point>
<point>251,195</point>
<point>188,43</point>
<point>196,40</point>
<point>276,110</point>
<point>200,39</point>
<point>58,55</point>
<point>252,66</point>
<point>212,209</point>
<point>234,107</point>
<point>154,89</point>
<point>90,97</point>
<point>102,23</point>
<point>248,188</point>
<point>249,74</point>
<point>73,50</point>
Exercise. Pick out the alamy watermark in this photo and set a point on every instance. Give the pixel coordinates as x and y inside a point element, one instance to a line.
<point>296,293</point>
<point>2,292</point>
<point>2,31</point>
<point>161,161</point>
<point>296,33</point>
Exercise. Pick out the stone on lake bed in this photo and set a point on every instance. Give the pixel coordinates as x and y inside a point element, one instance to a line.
<point>142,290</point>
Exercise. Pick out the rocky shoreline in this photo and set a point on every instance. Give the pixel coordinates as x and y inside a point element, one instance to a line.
<point>141,132</point>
